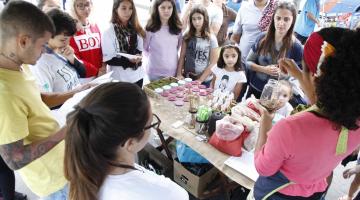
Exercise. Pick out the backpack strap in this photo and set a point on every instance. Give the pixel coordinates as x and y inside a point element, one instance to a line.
<point>277,189</point>
<point>341,145</point>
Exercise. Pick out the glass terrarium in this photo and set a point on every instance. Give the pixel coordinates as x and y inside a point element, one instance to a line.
<point>270,95</point>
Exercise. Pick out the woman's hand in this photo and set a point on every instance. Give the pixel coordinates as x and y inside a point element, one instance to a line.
<point>263,111</point>
<point>136,60</point>
<point>272,70</point>
<point>345,197</point>
<point>289,66</point>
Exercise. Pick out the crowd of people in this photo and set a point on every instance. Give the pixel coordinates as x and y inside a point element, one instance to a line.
<point>47,55</point>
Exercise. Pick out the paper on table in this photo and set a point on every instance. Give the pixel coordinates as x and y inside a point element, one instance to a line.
<point>103,79</point>
<point>129,56</point>
<point>244,164</point>
<point>68,106</point>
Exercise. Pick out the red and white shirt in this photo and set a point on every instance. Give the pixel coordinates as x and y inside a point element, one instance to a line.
<point>87,47</point>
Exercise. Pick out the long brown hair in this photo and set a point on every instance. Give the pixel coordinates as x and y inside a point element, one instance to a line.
<point>267,44</point>
<point>134,21</point>
<point>205,30</point>
<point>154,23</point>
<point>105,119</point>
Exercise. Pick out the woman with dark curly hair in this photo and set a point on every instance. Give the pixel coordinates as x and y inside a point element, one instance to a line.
<point>295,157</point>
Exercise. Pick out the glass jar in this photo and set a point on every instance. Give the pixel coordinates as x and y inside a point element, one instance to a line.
<point>270,95</point>
<point>194,101</point>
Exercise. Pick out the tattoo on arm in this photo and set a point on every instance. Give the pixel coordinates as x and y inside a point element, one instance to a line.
<point>17,155</point>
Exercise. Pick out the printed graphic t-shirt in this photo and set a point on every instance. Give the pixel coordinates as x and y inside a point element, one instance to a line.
<point>197,55</point>
<point>225,80</point>
<point>54,75</point>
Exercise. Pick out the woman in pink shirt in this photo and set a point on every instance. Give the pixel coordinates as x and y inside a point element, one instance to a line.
<point>163,40</point>
<point>295,157</point>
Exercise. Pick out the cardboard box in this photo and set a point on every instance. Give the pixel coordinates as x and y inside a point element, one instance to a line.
<point>192,183</point>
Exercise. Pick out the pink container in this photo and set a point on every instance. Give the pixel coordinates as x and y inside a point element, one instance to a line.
<point>165,94</point>
<point>171,98</point>
<point>179,103</point>
<point>188,85</point>
<point>195,89</point>
<point>180,95</point>
<point>202,93</point>
<point>180,88</point>
<point>202,86</point>
<point>173,90</point>
<point>195,82</point>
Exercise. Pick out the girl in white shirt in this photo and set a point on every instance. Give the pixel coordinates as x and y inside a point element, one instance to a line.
<point>124,35</point>
<point>105,132</point>
<point>228,73</point>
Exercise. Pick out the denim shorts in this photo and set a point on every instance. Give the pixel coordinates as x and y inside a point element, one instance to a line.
<point>61,194</point>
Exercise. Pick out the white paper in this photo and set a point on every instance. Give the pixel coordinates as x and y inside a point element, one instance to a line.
<point>129,56</point>
<point>68,106</point>
<point>103,79</point>
<point>244,164</point>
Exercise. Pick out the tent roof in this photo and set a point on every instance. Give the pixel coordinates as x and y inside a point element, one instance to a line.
<point>339,6</point>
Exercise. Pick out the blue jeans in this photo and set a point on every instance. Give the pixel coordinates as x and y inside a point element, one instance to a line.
<point>61,194</point>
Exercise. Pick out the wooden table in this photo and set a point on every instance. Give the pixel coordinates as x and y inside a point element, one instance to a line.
<point>169,113</point>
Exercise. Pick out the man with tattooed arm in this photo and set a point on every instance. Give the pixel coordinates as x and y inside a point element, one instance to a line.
<point>30,139</point>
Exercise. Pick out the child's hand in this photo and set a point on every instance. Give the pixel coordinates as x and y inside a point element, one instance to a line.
<point>68,53</point>
<point>180,76</point>
<point>136,60</point>
<point>349,172</point>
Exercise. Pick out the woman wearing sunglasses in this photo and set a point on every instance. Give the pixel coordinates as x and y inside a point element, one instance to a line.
<point>105,132</point>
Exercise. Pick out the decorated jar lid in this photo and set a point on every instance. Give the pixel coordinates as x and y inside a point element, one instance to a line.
<point>166,87</point>
<point>159,90</point>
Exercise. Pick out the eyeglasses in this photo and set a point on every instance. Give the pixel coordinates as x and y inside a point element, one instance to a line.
<point>164,142</point>
<point>82,6</point>
<point>156,124</point>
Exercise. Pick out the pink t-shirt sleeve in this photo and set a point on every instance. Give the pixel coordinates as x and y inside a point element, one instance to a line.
<point>276,150</point>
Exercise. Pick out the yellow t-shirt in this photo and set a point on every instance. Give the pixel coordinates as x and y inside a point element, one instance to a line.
<point>25,116</point>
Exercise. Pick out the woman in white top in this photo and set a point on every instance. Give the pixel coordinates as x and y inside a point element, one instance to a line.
<point>105,132</point>
<point>123,37</point>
